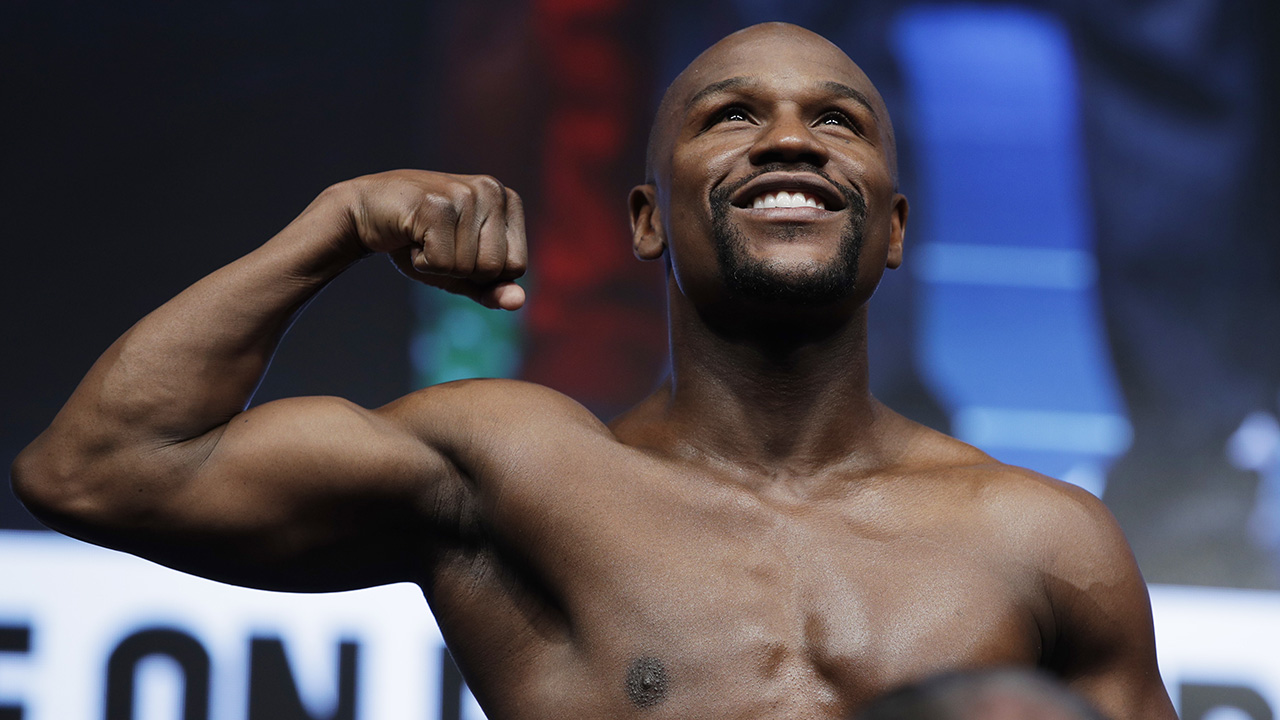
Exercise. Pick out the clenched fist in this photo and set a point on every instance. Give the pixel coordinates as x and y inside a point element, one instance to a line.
<point>460,233</point>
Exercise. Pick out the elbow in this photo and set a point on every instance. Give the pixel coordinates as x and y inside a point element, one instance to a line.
<point>54,488</point>
<point>33,477</point>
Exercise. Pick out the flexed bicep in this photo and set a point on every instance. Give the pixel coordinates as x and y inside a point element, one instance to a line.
<point>303,494</point>
<point>154,453</point>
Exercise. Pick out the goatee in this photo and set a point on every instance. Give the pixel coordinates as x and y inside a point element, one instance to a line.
<point>810,284</point>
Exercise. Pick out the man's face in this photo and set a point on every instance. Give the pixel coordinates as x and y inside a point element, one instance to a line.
<point>772,173</point>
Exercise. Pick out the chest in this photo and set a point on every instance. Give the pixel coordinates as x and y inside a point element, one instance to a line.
<point>736,590</point>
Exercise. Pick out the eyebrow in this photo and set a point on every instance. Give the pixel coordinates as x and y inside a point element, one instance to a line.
<point>852,93</point>
<point>831,86</point>
<point>732,83</point>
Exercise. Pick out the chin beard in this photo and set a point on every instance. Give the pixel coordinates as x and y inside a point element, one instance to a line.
<point>811,284</point>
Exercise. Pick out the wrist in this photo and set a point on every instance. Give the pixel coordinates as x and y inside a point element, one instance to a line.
<point>325,233</point>
<point>337,207</point>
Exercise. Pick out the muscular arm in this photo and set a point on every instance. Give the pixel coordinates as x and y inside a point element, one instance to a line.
<point>1104,639</point>
<point>155,454</point>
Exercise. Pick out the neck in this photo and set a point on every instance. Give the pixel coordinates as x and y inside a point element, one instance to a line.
<point>778,393</point>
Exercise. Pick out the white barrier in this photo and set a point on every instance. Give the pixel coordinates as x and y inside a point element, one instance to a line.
<point>90,634</point>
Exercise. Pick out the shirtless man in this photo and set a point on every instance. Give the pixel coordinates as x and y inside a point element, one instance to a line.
<point>760,538</point>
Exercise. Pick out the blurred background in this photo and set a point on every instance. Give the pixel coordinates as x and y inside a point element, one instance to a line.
<point>1091,287</point>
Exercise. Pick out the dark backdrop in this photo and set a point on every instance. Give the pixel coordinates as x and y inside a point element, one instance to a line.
<point>147,143</point>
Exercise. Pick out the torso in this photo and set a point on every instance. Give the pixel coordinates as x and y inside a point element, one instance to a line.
<point>599,580</point>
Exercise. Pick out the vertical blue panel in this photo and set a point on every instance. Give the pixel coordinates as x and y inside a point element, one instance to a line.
<point>1010,324</point>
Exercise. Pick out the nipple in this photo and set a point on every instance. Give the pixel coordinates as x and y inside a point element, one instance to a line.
<point>646,681</point>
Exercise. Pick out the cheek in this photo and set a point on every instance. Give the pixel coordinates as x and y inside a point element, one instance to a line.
<point>690,247</point>
<point>688,200</point>
<point>704,164</point>
<point>687,229</point>
<point>697,167</point>
<point>874,257</point>
<point>689,243</point>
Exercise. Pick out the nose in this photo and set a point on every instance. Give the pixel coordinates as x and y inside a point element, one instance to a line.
<point>787,138</point>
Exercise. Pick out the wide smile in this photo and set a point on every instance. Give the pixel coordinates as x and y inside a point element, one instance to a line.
<point>789,195</point>
<point>785,199</point>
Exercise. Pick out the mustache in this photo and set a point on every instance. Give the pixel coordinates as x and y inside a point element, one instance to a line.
<point>852,197</point>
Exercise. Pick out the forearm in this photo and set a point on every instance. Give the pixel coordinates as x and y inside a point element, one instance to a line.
<point>194,362</point>
<point>153,433</point>
<point>188,367</point>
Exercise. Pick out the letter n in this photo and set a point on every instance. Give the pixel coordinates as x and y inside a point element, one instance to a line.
<point>273,693</point>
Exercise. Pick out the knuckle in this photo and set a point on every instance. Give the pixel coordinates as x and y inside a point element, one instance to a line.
<point>464,203</point>
<point>464,193</point>
<point>515,267</point>
<point>437,259</point>
<point>463,267</point>
<point>441,208</point>
<point>488,268</point>
<point>488,184</point>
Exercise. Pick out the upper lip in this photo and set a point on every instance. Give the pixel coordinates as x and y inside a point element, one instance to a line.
<point>807,183</point>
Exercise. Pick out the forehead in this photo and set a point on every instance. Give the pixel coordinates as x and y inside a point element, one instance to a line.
<point>781,58</point>
<point>784,54</point>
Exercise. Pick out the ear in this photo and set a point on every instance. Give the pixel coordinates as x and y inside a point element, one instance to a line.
<point>648,238</point>
<point>897,230</point>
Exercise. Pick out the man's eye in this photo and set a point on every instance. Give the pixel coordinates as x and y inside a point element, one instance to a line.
<point>838,118</point>
<point>734,114</point>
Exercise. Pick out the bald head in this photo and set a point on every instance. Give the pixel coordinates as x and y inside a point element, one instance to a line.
<point>785,50</point>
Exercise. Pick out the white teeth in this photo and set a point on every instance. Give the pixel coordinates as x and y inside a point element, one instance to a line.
<point>784,199</point>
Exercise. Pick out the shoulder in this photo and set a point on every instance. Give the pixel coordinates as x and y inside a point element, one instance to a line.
<point>1098,622</point>
<point>1070,532</point>
<point>491,399</point>
<point>1097,628</point>
<point>1040,512</point>
<point>478,419</point>
<point>1062,531</point>
<point>1060,528</point>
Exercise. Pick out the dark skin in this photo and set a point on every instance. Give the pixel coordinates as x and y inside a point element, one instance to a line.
<point>759,538</point>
